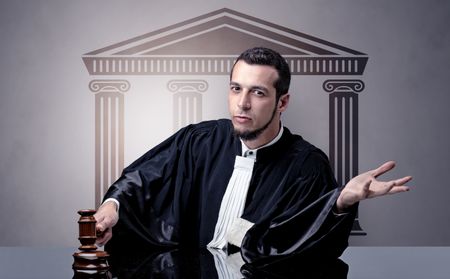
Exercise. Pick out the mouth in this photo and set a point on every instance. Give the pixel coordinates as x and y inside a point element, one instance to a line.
<point>242,119</point>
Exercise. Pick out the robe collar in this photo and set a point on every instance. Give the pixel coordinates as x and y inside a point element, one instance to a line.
<point>252,153</point>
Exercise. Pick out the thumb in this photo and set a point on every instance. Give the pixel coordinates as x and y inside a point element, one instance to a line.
<point>101,224</point>
<point>364,193</point>
<point>366,185</point>
<point>100,227</point>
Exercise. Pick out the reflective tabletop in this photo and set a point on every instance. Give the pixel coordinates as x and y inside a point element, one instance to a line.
<point>356,262</point>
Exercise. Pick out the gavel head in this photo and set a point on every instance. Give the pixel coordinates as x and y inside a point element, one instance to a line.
<point>87,232</point>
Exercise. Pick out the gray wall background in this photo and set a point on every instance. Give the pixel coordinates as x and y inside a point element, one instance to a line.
<point>47,110</point>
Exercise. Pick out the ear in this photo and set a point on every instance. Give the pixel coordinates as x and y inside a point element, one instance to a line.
<point>283,102</point>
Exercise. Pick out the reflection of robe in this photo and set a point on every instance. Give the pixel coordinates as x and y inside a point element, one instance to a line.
<point>200,264</point>
<point>171,196</point>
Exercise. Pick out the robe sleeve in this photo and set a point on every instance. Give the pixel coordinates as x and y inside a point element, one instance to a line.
<point>150,194</point>
<point>303,224</point>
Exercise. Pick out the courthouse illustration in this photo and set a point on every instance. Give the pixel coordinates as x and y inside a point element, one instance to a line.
<point>192,51</point>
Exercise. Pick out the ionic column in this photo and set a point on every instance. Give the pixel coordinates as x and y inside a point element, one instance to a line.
<point>343,131</point>
<point>187,101</point>
<point>109,132</point>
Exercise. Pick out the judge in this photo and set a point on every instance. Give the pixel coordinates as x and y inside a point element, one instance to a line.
<point>247,181</point>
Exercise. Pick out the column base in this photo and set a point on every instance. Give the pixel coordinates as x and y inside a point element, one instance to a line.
<point>356,229</point>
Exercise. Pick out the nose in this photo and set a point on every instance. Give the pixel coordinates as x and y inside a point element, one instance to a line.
<point>244,101</point>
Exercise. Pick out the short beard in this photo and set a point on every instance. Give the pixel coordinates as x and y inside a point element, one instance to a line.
<point>252,135</point>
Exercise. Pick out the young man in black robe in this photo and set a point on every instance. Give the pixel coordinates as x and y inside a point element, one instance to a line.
<point>247,181</point>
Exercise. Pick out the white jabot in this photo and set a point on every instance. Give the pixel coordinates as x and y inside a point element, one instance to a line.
<point>233,201</point>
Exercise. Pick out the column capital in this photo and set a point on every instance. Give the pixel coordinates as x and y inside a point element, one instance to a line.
<point>109,85</point>
<point>185,85</point>
<point>343,85</point>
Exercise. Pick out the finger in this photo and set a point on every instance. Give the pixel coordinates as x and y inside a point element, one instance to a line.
<point>103,225</point>
<point>383,168</point>
<point>403,180</point>
<point>100,239</point>
<point>100,227</point>
<point>98,218</point>
<point>104,238</point>
<point>380,188</point>
<point>389,187</point>
<point>398,189</point>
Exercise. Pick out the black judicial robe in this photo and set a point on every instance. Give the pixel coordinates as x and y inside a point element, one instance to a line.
<point>170,197</point>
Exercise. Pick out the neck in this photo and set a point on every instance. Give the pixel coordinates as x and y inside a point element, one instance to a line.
<point>264,138</point>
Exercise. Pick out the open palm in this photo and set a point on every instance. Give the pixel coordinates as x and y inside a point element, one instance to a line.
<point>366,185</point>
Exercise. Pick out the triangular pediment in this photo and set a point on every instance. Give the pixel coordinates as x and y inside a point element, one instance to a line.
<point>209,44</point>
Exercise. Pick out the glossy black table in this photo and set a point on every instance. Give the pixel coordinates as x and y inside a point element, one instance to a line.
<point>363,262</point>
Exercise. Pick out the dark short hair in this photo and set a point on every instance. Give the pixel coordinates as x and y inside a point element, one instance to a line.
<point>268,57</point>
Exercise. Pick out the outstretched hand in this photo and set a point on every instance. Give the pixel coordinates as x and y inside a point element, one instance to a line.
<point>366,186</point>
<point>106,217</point>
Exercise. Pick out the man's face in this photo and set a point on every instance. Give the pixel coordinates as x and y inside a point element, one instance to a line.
<point>254,111</point>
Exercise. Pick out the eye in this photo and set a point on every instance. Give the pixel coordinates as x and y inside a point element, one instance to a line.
<point>259,93</point>
<point>235,88</point>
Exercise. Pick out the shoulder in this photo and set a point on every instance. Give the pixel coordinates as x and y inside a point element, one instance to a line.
<point>316,163</point>
<point>210,128</point>
<point>297,146</point>
<point>313,167</point>
<point>188,138</point>
<point>215,133</point>
<point>311,158</point>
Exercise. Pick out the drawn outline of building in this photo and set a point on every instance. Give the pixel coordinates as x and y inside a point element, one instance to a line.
<point>201,47</point>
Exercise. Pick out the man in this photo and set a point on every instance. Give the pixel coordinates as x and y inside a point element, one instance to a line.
<point>247,182</point>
